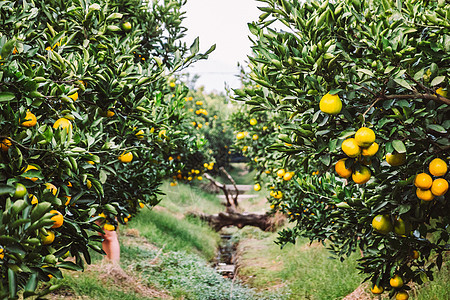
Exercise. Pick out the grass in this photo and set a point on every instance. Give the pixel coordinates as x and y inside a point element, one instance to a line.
<point>438,288</point>
<point>306,272</point>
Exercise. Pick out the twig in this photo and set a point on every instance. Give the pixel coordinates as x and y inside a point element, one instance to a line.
<point>220,186</point>
<point>234,185</point>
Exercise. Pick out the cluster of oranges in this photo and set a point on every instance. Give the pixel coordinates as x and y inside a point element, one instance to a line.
<point>361,147</point>
<point>427,188</point>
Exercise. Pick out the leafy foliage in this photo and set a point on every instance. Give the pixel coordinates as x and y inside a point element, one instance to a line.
<point>100,69</point>
<point>386,61</point>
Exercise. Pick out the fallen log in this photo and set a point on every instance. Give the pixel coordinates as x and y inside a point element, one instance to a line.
<point>223,219</point>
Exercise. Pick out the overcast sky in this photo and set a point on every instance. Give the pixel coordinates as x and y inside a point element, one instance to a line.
<point>224,23</point>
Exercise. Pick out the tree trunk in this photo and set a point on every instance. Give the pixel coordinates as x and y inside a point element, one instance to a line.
<point>223,219</point>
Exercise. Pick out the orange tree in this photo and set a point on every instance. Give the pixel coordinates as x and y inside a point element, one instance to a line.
<point>364,85</point>
<point>88,116</point>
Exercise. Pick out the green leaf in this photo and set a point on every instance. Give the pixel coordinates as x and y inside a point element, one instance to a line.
<point>70,266</point>
<point>367,72</point>
<point>389,69</point>
<point>195,46</point>
<point>437,128</point>
<point>403,83</point>
<point>437,80</point>
<point>399,146</point>
<point>6,97</point>
<point>6,189</point>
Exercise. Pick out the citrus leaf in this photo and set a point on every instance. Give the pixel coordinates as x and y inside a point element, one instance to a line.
<point>437,80</point>
<point>6,97</point>
<point>399,146</point>
<point>403,83</point>
<point>437,128</point>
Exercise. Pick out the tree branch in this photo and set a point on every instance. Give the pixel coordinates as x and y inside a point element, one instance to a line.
<point>235,197</point>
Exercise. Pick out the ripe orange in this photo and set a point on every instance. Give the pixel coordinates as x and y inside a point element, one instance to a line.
<point>140,134</point>
<point>440,91</point>
<point>126,157</point>
<point>240,135</point>
<point>423,181</point>
<point>415,254</point>
<point>109,113</point>
<point>341,170</point>
<point>5,144</point>
<point>51,187</point>
<point>396,159</point>
<point>88,184</point>
<point>253,122</point>
<point>30,167</point>
<point>255,137</point>
<point>365,137</point>
<point>30,120</point>
<point>330,104</point>
<point>438,167</point>
<point>68,198</point>
<point>34,199</point>
<point>362,175</point>
<point>74,96</point>
<point>396,281</point>
<point>288,176</point>
<point>63,123</point>
<point>47,239</point>
<point>439,187</point>
<point>281,172</point>
<point>402,295</point>
<point>371,150</point>
<point>382,224</point>
<point>2,251</point>
<point>109,227</point>
<point>20,191</point>
<point>141,205</point>
<point>425,195</point>
<point>351,148</point>
<point>376,289</point>
<point>257,187</point>
<point>58,219</point>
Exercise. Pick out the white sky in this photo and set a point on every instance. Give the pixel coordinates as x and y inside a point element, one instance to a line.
<point>224,23</point>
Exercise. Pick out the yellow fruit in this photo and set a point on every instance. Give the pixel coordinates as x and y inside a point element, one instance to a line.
<point>415,254</point>
<point>371,150</point>
<point>88,184</point>
<point>53,189</point>
<point>440,91</point>
<point>255,137</point>
<point>253,122</point>
<point>351,148</point>
<point>288,176</point>
<point>126,26</point>
<point>58,219</point>
<point>257,187</point>
<point>5,144</point>
<point>376,289</point>
<point>439,187</point>
<point>330,104</point>
<point>437,167</point>
<point>34,199</point>
<point>402,227</point>
<point>74,96</point>
<point>365,137</point>
<point>47,239</point>
<point>425,195</point>
<point>63,123</point>
<point>2,251</point>
<point>278,195</point>
<point>109,113</point>
<point>68,198</point>
<point>20,191</point>
<point>140,134</point>
<point>281,172</point>
<point>200,178</point>
<point>362,175</point>
<point>141,205</point>
<point>30,120</point>
<point>30,167</point>
<point>341,170</point>
<point>126,157</point>
<point>240,135</point>
<point>396,159</point>
<point>402,295</point>
<point>109,227</point>
<point>423,181</point>
<point>396,281</point>
<point>382,224</point>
